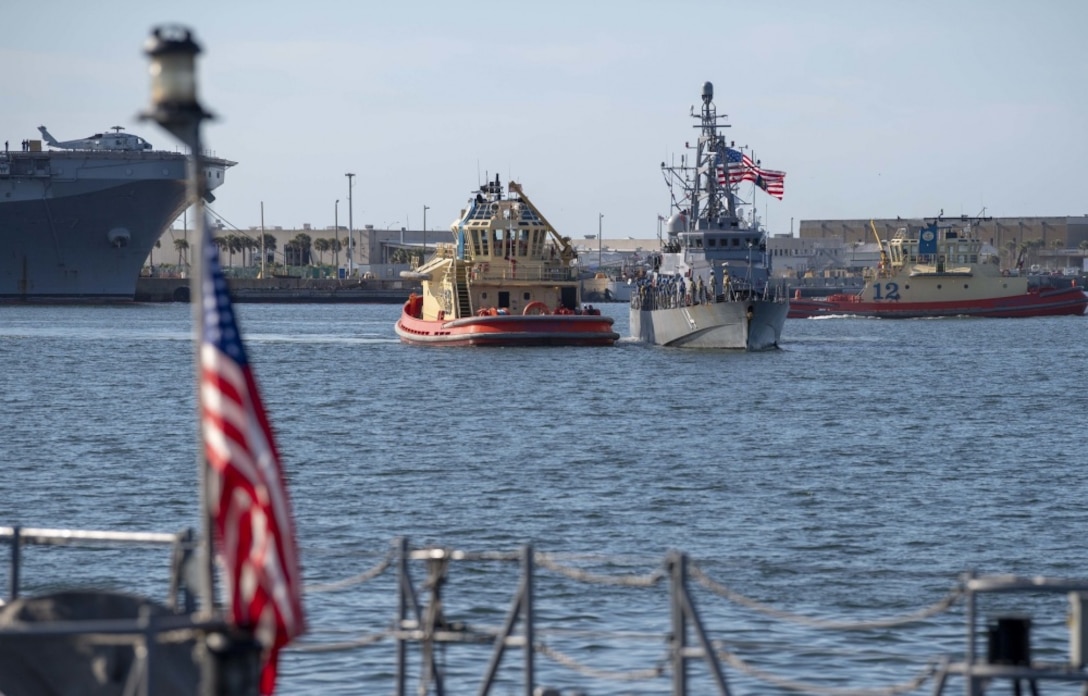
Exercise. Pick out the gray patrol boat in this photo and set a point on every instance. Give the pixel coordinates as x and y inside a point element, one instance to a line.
<point>77,221</point>
<point>710,283</point>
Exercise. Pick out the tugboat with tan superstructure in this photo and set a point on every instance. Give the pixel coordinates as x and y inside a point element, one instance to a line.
<point>508,279</point>
<point>943,270</point>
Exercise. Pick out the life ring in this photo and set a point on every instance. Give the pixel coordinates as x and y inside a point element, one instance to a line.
<point>535,307</point>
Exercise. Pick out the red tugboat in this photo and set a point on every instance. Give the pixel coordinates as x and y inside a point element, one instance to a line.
<point>942,271</point>
<point>508,280</point>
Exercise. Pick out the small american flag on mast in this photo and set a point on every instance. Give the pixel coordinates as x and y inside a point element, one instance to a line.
<point>738,166</point>
<point>246,492</point>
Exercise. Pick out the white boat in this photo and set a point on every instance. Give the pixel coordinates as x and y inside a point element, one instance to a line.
<point>710,285</point>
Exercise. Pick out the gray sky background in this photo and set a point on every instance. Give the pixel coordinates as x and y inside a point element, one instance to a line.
<point>873,109</point>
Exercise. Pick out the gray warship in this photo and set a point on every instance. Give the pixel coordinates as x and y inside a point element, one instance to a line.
<point>78,220</point>
<point>710,283</point>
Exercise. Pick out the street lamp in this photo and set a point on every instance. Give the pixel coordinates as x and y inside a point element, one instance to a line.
<point>425,209</point>
<point>600,218</point>
<point>336,227</point>
<point>351,238</point>
<point>175,107</point>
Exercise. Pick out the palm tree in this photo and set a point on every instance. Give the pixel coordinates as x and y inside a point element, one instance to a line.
<point>269,247</point>
<point>322,245</point>
<point>234,245</point>
<point>1010,247</point>
<point>304,242</point>
<point>182,245</point>
<point>292,253</point>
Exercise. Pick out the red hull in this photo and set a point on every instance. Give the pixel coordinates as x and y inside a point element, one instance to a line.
<point>1035,303</point>
<point>509,330</point>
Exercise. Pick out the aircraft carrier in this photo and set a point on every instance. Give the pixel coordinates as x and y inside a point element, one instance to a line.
<point>77,221</point>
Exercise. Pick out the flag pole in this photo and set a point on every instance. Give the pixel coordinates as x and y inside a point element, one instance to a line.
<point>174,106</point>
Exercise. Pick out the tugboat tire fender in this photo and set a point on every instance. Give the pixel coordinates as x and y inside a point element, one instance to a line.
<point>533,306</point>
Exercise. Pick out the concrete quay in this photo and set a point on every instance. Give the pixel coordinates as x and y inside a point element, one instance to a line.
<point>285,290</point>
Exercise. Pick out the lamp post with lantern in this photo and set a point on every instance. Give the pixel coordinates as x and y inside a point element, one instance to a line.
<point>174,106</point>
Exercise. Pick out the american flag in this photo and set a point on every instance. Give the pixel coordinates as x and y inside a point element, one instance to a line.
<point>739,167</point>
<point>246,491</point>
<point>771,181</point>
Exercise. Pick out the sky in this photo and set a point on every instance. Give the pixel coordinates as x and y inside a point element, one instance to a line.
<point>873,109</point>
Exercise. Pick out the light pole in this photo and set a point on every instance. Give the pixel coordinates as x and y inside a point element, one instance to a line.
<point>425,209</point>
<point>336,226</point>
<point>351,237</point>
<point>600,218</point>
<point>175,107</point>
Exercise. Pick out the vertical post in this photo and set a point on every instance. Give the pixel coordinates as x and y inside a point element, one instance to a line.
<point>527,617</point>
<point>425,209</point>
<point>969,653</point>
<point>684,611</point>
<point>175,107</point>
<point>402,610</point>
<point>263,254</point>
<point>1078,629</point>
<point>351,223</point>
<point>16,557</point>
<point>196,190</point>
<point>600,218</point>
<point>336,227</point>
<point>677,576</point>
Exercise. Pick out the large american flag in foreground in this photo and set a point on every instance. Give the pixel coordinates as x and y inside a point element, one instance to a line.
<point>246,492</point>
<point>737,166</point>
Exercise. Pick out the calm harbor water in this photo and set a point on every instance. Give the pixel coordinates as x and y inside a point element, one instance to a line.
<point>850,476</point>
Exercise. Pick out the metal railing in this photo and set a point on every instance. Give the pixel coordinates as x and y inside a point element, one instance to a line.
<point>156,642</point>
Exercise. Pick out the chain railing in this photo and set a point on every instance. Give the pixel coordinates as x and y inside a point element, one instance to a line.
<point>424,624</point>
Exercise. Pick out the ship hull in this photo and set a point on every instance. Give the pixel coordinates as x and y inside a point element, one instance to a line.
<point>79,226</point>
<point>752,325</point>
<point>1035,303</point>
<point>509,330</point>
